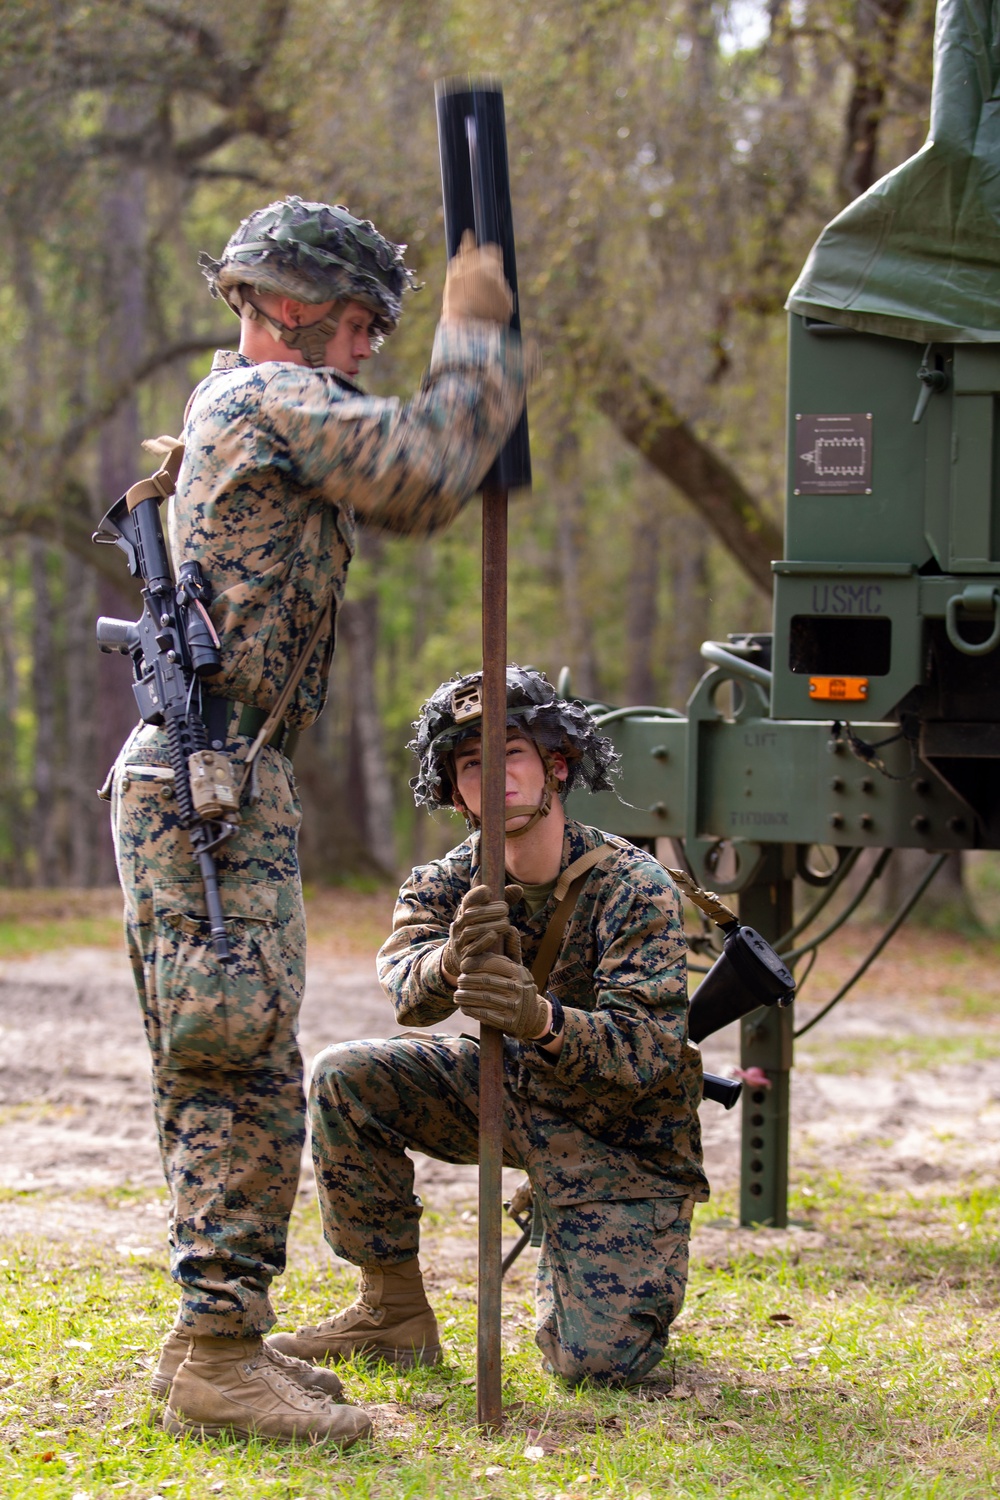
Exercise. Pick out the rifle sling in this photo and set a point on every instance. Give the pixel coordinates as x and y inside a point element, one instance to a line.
<point>162,484</point>
<point>568,887</point>
<point>283,699</point>
<point>706,901</point>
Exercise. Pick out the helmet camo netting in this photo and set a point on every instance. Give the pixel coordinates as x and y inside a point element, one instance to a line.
<point>555,724</point>
<point>314,252</point>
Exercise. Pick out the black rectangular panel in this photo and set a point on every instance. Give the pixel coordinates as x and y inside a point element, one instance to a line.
<point>840,647</point>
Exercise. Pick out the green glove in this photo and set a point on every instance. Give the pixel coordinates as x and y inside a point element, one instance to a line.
<point>496,991</point>
<point>480,924</point>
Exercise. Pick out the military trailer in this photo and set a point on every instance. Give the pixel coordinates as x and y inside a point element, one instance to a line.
<point>869,718</point>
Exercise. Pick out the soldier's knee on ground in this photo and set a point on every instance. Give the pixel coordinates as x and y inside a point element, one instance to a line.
<point>611,1280</point>
<point>632,1354</point>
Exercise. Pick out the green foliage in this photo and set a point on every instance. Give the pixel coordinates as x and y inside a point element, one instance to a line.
<point>670,170</point>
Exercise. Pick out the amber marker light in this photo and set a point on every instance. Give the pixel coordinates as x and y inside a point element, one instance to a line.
<point>839,689</point>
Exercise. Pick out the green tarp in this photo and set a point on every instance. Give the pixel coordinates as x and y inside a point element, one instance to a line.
<point>918,255</point>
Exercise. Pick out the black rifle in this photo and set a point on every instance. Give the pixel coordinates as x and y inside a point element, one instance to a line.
<point>172,645</point>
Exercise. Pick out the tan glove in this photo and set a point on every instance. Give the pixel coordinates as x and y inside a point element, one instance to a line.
<point>480,924</point>
<point>475,286</point>
<point>496,991</point>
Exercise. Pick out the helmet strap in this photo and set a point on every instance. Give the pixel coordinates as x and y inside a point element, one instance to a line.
<point>310,339</point>
<point>544,807</point>
<point>534,814</point>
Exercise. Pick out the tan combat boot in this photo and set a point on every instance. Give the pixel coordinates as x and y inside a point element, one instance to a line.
<point>175,1347</point>
<point>234,1386</point>
<point>391,1320</point>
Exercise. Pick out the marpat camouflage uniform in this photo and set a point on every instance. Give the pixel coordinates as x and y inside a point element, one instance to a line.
<point>280,458</point>
<point>608,1132</point>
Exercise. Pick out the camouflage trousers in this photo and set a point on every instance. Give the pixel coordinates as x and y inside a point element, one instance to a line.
<point>227,1071</point>
<point>611,1274</point>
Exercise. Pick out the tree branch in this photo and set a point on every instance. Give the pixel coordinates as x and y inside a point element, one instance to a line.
<point>646,417</point>
<point>84,426</point>
<point>878,25</point>
<point>65,521</point>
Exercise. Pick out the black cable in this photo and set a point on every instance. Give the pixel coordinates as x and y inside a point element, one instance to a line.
<point>836,880</point>
<point>865,752</point>
<point>515,1250</point>
<point>809,968</point>
<point>848,911</point>
<point>708,928</point>
<point>894,925</point>
<point>698,944</point>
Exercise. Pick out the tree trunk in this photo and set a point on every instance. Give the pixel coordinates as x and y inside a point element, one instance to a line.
<point>642,682</point>
<point>423,589</point>
<point>572,543</point>
<point>45,812</point>
<point>781,43</point>
<point>688,563</point>
<point>12,827</point>
<point>120,455</point>
<point>877,24</point>
<point>646,417</point>
<point>359,623</point>
<point>331,841</point>
<point>946,902</point>
<point>87,816</point>
<point>701,68</point>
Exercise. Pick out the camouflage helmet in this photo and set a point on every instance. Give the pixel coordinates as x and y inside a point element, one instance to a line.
<point>313,252</point>
<point>556,725</point>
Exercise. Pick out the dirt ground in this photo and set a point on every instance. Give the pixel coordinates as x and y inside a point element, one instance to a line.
<point>899,1088</point>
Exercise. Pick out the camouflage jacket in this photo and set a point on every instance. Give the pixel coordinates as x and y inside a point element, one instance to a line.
<point>279,461</point>
<point>627,1076</point>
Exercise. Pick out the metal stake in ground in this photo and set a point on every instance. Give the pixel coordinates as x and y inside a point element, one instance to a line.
<point>475,181</point>
<point>492,869</point>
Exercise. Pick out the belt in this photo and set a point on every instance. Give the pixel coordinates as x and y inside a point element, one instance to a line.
<point>224,716</point>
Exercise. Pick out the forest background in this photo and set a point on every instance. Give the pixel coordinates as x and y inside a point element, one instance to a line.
<point>672,163</point>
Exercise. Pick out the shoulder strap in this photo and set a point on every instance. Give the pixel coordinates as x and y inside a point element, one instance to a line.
<point>161,485</point>
<point>283,699</point>
<point>568,887</point>
<point>706,901</point>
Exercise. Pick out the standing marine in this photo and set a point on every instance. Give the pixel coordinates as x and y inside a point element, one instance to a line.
<point>601,1085</point>
<point>284,453</point>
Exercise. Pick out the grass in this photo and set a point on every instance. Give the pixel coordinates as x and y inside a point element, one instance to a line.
<point>898,1055</point>
<point>343,921</point>
<point>44,921</point>
<point>26,939</point>
<point>858,1359</point>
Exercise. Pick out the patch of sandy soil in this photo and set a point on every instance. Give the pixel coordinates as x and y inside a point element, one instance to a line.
<point>78,1157</point>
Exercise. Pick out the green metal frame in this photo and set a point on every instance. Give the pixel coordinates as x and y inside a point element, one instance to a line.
<point>766,1043</point>
<point>747,794</point>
